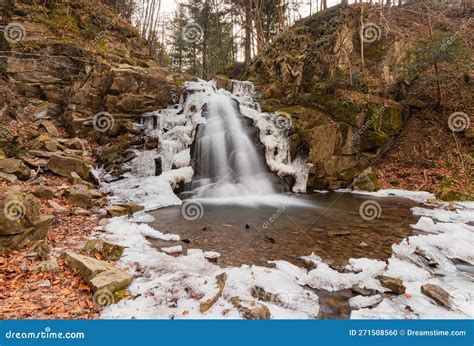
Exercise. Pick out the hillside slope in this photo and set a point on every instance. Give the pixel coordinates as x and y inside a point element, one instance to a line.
<point>358,81</point>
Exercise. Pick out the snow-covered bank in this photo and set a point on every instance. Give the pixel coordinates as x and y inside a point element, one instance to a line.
<point>173,287</point>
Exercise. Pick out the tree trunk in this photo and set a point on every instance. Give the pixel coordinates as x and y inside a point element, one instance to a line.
<point>248,31</point>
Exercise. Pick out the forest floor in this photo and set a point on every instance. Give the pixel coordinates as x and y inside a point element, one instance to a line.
<point>59,294</point>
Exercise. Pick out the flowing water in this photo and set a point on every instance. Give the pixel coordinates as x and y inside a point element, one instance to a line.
<point>228,164</point>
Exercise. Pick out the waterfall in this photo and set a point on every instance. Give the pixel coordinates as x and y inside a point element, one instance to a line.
<point>228,164</point>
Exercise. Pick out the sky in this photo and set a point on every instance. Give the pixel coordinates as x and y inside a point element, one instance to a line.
<point>169,6</point>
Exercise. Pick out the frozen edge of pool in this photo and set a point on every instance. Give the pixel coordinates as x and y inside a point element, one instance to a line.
<point>164,286</point>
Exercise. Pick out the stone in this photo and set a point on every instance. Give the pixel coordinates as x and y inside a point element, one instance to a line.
<point>132,208</point>
<point>64,166</point>
<point>10,178</point>
<point>366,181</point>
<point>81,212</point>
<point>39,249</point>
<point>74,143</point>
<point>56,206</point>
<point>356,289</point>
<point>105,250</point>
<point>50,266</point>
<point>393,284</point>
<point>79,196</point>
<point>48,126</point>
<point>206,304</point>
<point>44,192</point>
<point>438,294</point>
<point>251,310</point>
<point>21,221</point>
<point>88,267</point>
<point>16,167</point>
<point>111,280</point>
<point>360,302</point>
<point>51,145</point>
<point>212,256</point>
<point>44,284</point>
<point>115,211</point>
<point>75,179</point>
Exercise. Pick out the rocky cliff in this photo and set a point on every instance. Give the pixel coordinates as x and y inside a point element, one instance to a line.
<point>351,78</point>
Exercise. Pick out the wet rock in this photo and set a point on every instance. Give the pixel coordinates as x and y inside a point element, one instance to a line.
<point>115,211</point>
<point>360,302</point>
<point>251,310</point>
<point>15,167</point>
<point>44,192</point>
<point>64,166</point>
<point>50,266</point>
<point>356,289</point>
<point>105,250</point>
<point>208,303</point>
<point>393,284</point>
<point>438,294</point>
<point>79,196</point>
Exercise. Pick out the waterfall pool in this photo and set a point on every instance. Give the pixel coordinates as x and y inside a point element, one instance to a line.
<point>327,224</point>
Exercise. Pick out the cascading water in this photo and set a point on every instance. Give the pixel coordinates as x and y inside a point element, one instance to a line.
<point>228,162</point>
<point>216,144</point>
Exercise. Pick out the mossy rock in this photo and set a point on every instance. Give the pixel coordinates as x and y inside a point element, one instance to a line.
<point>451,195</point>
<point>366,181</point>
<point>371,140</point>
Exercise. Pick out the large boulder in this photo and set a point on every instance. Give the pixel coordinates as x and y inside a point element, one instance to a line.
<point>64,166</point>
<point>100,275</point>
<point>21,220</point>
